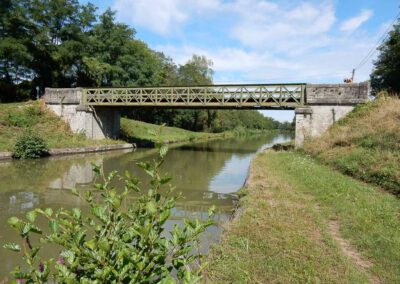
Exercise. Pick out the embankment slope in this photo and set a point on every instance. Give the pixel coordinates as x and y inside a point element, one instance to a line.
<point>15,118</point>
<point>365,145</point>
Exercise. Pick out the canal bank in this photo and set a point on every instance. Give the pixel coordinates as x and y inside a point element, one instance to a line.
<point>206,174</point>
<point>302,222</point>
<point>33,117</point>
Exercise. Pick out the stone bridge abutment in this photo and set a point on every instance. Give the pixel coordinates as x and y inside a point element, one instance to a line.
<point>324,105</point>
<point>95,122</point>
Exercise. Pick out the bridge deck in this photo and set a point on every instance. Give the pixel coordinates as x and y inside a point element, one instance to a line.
<point>215,96</point>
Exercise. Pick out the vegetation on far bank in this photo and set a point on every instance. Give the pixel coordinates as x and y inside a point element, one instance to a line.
<point>142,133</point>
<point>365,144</point>
<point>17,118</point>
<point>301,222</point>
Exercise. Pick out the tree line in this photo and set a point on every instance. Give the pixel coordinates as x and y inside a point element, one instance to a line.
<point>386,73</point>
<point>63,43</point>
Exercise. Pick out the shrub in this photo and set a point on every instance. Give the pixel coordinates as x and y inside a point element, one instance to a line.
<point>30,146</point>
<point>118,241</point>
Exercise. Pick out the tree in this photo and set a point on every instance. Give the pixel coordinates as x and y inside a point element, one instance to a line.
<point>42,41</point>
<point>14,54</point>
<point>197,71</point>
<point>57,37</point>
<point>386,74</point>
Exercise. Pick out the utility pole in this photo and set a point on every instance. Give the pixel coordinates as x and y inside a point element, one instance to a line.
<point>352,75</point>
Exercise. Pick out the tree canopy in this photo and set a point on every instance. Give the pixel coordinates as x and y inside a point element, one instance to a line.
<point>386,74</point>
<point>63,43</point>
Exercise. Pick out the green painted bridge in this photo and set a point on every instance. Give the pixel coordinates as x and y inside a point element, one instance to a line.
<point>215,96</point>
<point>96,111</point>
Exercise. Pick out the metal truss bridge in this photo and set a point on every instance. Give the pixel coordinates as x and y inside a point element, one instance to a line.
<point>261,96</point>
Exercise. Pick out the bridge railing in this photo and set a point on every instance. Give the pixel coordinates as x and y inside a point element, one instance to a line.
<point>219,96</point>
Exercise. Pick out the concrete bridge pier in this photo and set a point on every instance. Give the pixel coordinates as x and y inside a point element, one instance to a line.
<point>325,105</point>
<point>313,121</point>
<point>95,122</point>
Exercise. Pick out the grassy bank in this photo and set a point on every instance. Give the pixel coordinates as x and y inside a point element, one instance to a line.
<point>15,118</point>
<point>366,144</point>
<point>301,222</point>
<point>145,134</point>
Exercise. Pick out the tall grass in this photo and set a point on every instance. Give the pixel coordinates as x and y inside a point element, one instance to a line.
<point>17,118</point>
<point>365,144</point>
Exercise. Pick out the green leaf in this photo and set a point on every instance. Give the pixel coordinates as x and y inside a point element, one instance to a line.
<point>12,246</point>
<point>91,244</point>
<point>31,216</point>
<point>35,229</point>
<point>163,151</point>
<point>13,221</point>
<point>48,211</point>
<point>75,191</point>
<point>165,179</point>
<point>164,216</point>
<point>151,207</point>
<point>26,229</point>
<point>77,213</point>
<point>104,245</point>
<point>99,212</point>
<point>96,169</point>
<point>68,255</point>
<point>211,211</point>
<point>53,224</point>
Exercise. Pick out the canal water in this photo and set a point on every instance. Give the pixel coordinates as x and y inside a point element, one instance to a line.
<point>206,174</point>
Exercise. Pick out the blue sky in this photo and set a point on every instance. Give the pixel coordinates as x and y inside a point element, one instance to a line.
<point>259,41</point>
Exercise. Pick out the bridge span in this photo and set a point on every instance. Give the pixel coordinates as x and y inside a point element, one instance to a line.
<point>261,96</point>
<point>96,111</point>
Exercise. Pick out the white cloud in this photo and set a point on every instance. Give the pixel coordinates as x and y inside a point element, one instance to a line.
<point>238,65</point>
<point>285,28</point>
<point>258,40</point>
<point>354,23</point>
<point>161,16</point>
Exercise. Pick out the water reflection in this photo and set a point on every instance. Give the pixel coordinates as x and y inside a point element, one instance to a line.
<point>206,174</point>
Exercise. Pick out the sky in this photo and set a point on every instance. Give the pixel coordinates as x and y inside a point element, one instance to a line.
<point>260,41</point>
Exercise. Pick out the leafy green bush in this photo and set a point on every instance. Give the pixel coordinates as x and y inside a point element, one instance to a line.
<point>119,241</point>
<point>30,146</point>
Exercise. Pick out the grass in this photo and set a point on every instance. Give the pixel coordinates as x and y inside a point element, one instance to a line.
<point>145,134</point>
<point>366,144</point>
<point>15,118</point>
<point>283,234</point>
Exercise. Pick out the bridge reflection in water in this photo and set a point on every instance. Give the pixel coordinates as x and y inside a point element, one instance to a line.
<point>207,174</point>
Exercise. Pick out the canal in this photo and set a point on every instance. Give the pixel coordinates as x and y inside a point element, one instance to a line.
<point>206,174</point>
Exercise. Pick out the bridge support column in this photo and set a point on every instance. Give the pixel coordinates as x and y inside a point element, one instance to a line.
<point>98,122</point>
<point>313,121</point>
<point>324,105</point>
<point>95,122</point>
